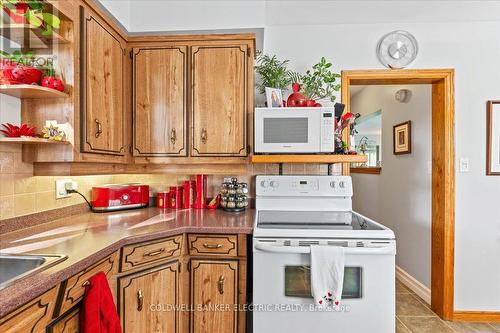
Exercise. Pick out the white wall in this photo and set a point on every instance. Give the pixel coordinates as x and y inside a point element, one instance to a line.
<point>172,15</point>
<point>120,10</point>
<point>10,110</point>
<point>400,197</point>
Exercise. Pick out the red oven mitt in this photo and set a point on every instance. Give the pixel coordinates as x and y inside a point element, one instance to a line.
<point>98,313</point>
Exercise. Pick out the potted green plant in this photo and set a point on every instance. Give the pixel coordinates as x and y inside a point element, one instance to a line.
<point>317,83</point>
<point>273,72</point>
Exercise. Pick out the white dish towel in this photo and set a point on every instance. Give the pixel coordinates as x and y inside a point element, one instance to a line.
<point>327,274</point>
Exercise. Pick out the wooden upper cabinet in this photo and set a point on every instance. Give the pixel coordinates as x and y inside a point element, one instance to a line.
<point>103,85</point>
<point>214,283</point>
<point>160,101</point>
<point>148,300</point>
<point>219,100</point>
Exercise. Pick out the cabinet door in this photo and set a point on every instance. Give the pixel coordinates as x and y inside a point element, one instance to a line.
<point>103,82</point>
<point>32,317</point>
<point>159,101</point>
<point>148,300</point>
<point>219,100</point>
<point>214,293</point>
<point>69,323</point>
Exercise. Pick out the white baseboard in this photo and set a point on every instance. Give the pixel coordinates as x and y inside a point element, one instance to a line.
<point>414,285</point>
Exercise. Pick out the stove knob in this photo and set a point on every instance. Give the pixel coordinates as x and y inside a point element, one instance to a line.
<point>274,184</point>
<point>341,184</point>
<point>125,197</point>
<point>333,184</point>
<point>264,183</point>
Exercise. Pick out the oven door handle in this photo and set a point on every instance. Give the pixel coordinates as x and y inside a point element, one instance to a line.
<point>306,249</point>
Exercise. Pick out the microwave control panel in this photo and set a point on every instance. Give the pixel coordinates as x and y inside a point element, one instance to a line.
<point>327,130</point>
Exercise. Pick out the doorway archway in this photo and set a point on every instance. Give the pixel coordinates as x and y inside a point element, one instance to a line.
<point>443,168</point>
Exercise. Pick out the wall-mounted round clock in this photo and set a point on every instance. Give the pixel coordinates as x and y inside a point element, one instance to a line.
<point>397,49</point>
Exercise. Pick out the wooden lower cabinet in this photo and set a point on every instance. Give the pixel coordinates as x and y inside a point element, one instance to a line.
<point>68,323</point>
<point>214,294</point>
<point>148,299</point>
<point>32,317</point>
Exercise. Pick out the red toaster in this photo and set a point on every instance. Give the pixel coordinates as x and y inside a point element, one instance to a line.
<point>112,197</point>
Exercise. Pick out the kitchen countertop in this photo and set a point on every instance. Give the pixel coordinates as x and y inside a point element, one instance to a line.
<point>89,237</point>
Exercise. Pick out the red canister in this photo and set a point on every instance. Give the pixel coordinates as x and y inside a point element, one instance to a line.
<point>189,189</point>
<point>162,199</point>
<point>201,192</point>
<point>175,197</point>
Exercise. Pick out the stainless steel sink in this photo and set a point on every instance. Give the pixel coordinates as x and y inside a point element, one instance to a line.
<point>14,266</point>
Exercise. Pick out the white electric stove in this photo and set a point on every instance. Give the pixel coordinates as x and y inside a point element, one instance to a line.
<point>294,212</point>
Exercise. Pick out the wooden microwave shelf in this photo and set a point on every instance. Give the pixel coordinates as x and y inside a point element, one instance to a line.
<point>320,158</point>
<point>20,33</point>
<point>32,141</point>
<point>30,91</point>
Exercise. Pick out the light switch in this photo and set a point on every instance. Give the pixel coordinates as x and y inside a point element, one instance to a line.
<point>464,164</point>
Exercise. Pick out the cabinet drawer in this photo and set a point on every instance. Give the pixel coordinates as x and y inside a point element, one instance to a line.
<point>32,317</point>
<point>75,288</point>
<point>213,245</point>
<point>146,253</point>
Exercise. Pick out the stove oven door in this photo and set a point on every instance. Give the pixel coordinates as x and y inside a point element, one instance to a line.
<point>282,299</point>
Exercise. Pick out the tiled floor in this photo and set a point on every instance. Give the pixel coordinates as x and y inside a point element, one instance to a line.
<point>413,315</point>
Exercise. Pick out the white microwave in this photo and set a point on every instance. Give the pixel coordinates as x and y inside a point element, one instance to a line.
<point>294,130</point>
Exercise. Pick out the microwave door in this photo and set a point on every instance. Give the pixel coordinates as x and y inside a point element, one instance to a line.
<point>278,131</point>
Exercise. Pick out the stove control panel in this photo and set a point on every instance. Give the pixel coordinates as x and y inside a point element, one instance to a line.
<point>279,186</point>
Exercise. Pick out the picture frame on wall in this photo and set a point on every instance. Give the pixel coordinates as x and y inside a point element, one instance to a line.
<point>402,138</point>
<point>274,98</point>
<point>493,138</point>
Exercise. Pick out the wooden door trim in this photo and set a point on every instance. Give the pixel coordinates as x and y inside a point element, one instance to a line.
<point>489,134</point>
<point>135,51</point>
<point>194,51</point>
<point>443,173</point>
<point>84,19</point>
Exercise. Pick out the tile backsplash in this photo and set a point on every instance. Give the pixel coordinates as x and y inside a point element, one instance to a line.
<point>21,193</point>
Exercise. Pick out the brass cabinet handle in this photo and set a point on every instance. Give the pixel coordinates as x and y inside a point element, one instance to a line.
<point>204,136</point>
<point>173,136</point>
<point>212,246</point>
<point>140,300</point>
<point>220,283</point>
<point>154,253</point>
<point>99,128</point>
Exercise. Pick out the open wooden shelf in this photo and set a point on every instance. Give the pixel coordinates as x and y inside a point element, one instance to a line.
<point>22,33</point>
<point>32,141</point>
<point>30,91</point>
<point>323,158</point>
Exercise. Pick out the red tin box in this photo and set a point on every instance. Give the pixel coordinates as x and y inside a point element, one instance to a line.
<point>201,192</point>
<point>119,196</point>
<point>189,193</point>
<point>162,199</point>
<point>175,197</point>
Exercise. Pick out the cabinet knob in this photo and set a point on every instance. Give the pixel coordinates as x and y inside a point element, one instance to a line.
<point>204,136</point>
<point>140,300</point>
<point>173,136</point>
<point>99,128</point>
<point>221,284</point>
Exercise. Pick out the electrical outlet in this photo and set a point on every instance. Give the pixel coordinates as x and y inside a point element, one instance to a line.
<point>464,164</point>
<point>62,186</point>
